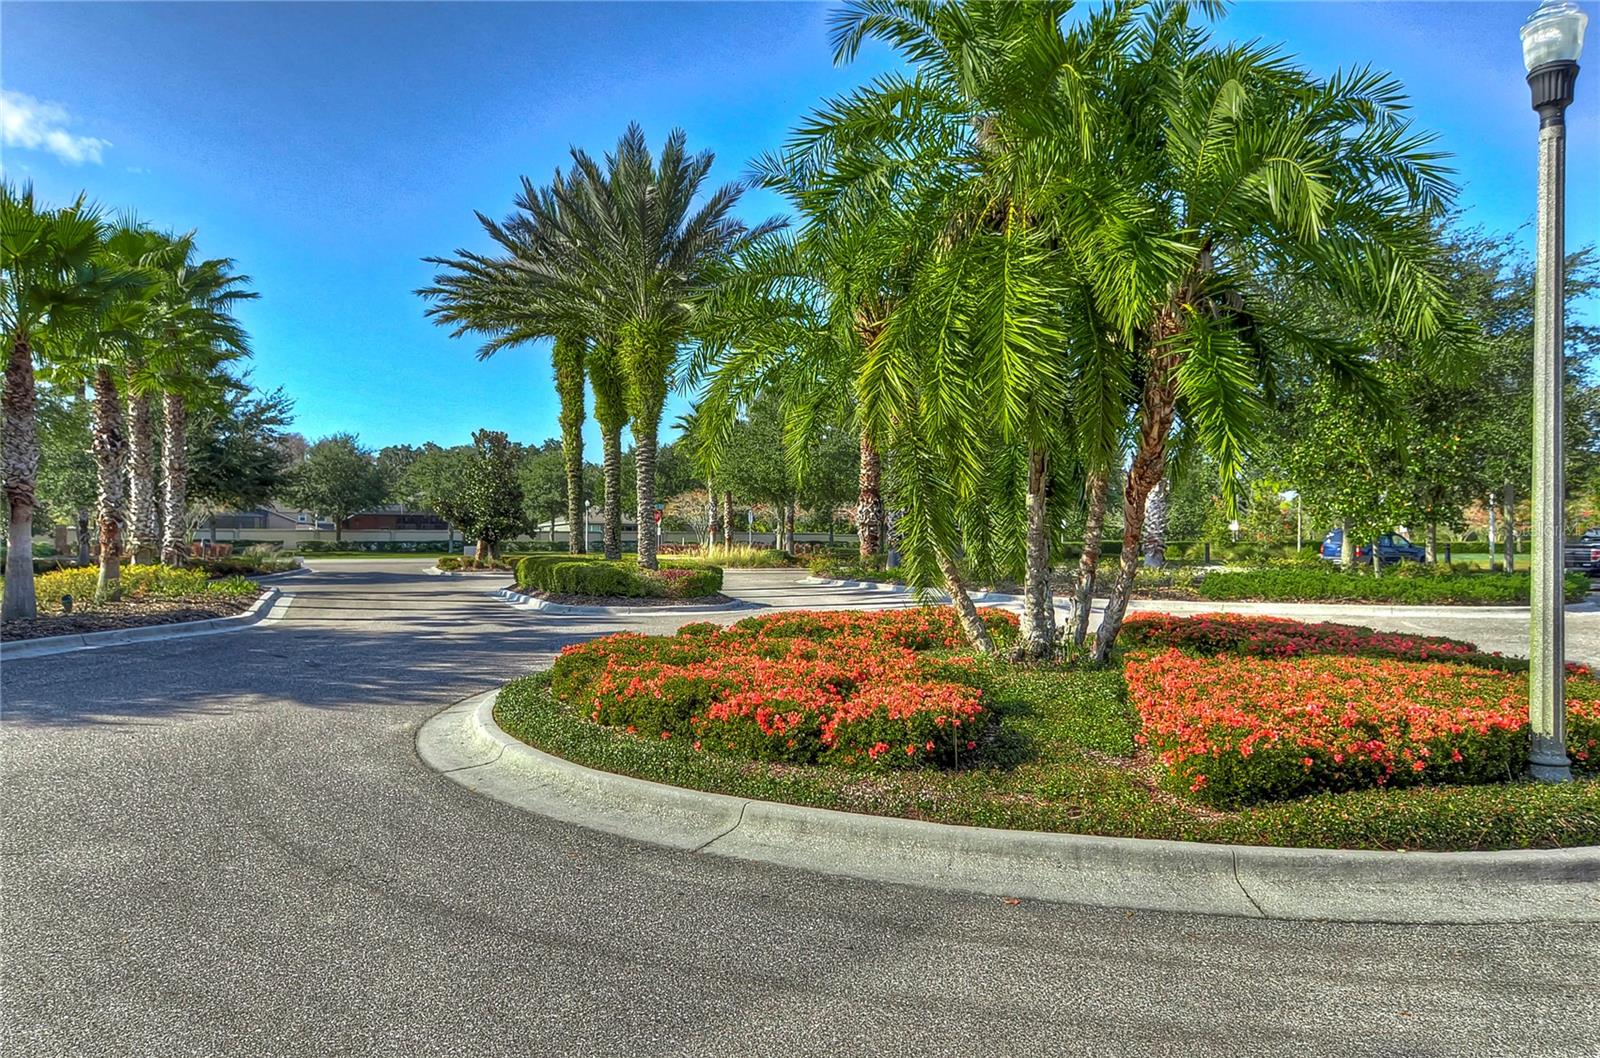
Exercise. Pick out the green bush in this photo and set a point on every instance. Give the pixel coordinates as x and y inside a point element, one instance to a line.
<point>449,563</point>
<point>1413,585</point>
<point>567,574</point>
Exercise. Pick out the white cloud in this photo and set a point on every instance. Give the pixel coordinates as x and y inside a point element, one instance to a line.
<point>35,125</point>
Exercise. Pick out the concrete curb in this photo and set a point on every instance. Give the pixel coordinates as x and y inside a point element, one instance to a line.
<point>265,610</point>
<point>1281,609</point>
<point>465,744</point>
<point>530,602</point>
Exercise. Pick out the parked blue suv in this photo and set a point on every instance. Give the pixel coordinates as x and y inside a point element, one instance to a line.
<point>1391,549</point>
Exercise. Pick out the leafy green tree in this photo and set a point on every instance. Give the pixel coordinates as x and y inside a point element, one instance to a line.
<point>491,504</point>
<point>542,474</point>
<point>235,459</point>
<point>339,478</point>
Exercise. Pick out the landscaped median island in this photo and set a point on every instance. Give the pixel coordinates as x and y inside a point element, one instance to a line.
<point>149,595</point>
<point>589,580</point>
<point>1219,728</point>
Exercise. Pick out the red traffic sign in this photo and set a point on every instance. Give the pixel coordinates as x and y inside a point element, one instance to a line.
<point>657,515</point>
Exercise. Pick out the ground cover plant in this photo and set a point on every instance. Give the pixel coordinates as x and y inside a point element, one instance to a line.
<point>1058,747</point>
<point>598,577</point>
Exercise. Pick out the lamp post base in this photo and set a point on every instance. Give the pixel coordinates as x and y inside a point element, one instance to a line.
<point>1549,769</point>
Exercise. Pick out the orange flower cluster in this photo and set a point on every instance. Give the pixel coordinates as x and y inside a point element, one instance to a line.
<point>1236,730</point>
<point>853,688</point>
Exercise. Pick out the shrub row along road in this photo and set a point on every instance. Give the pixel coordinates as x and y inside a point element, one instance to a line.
<point>227,845</point>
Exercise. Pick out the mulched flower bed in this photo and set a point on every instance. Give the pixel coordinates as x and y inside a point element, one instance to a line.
<point>134,612</point>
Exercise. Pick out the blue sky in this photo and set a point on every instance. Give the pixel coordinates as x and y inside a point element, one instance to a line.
<point>329,147</point>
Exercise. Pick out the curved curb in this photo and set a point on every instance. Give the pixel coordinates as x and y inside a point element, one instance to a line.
<point>264,610</point>
<point>1182,607</point>
<point>464,743</point>
<point>531,602</point>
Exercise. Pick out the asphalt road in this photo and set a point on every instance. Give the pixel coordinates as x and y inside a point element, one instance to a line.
<point>227,846</point>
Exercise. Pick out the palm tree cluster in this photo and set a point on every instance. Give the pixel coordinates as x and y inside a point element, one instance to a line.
<point>111,306</point>
<point>1042,257</point>
<point>609,262</point>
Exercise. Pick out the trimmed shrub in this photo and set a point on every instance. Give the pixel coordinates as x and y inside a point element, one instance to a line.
<point>1414,585</point>
<point>567,574</point>
<point>449,563</point>
<point>1257,635</point>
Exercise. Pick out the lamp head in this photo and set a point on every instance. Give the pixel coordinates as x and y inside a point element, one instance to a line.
<point>1553,33</point>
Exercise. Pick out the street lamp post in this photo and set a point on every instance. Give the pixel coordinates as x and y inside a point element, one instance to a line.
<point>1552,40</point>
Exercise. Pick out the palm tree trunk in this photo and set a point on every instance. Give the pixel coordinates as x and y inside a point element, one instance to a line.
<point>644,465</point>
<point>144,526</point>
<point>110,448</point>
<point>19,439</point>
<point>568,360</point>
<point>869,499</point>
<point>1038,638</point>
<point>977,632</point>
<point>1094,525</point>
<point>611,444</point>
<point>727,519</point>
<point>1156,508</point>
<point>175,497</point>
<point>1149,467</point>
<point>788,526</point>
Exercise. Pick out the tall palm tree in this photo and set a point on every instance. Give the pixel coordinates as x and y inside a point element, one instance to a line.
<point>198,336</point>
<point>53,279</point>
<point>635,254</point>
<point>506,299</point>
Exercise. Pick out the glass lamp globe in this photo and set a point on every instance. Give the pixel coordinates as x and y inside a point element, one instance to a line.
<point>1553,33</point>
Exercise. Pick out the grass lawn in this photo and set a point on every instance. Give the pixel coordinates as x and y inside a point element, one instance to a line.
<point>1063,758</point>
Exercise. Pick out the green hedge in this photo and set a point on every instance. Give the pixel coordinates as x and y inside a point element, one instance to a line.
<point>566,574</point>
<point>1296,584</point>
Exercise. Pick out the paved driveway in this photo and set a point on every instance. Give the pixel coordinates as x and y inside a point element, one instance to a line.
<point>226,846</point>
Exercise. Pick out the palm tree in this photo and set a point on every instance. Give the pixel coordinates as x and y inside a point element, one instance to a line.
<point>506,299</point>
<point>53,279</point>
<point>952,152</point>
<point>636,256</point>
<point>1222,167</point>
<point>198,336</point>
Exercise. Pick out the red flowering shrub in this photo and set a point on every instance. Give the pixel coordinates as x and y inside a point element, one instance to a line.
<point>1239,730</point>
<point>854,688</point>
<point>1281,637</point>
